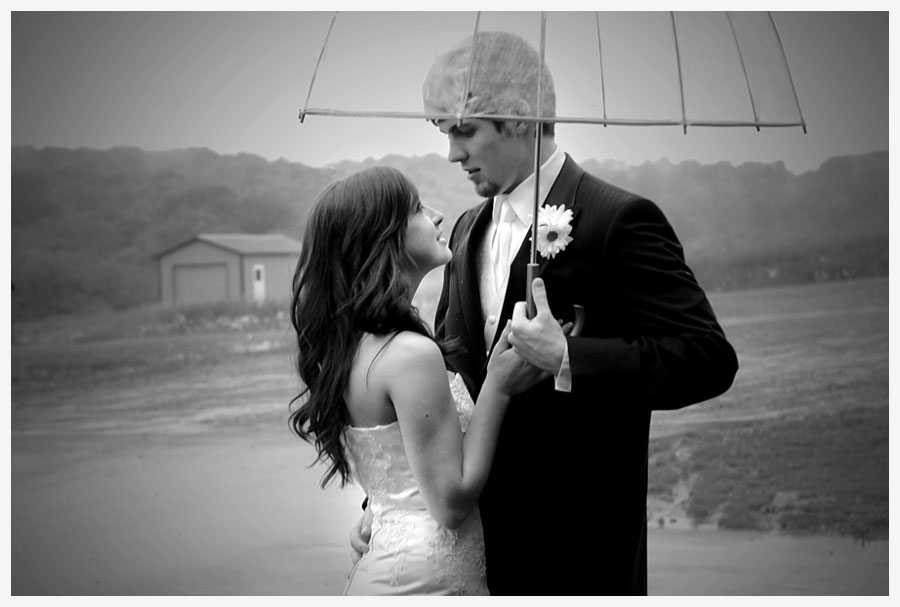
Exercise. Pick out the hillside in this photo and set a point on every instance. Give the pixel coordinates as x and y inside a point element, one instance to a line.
<point>87,224</point>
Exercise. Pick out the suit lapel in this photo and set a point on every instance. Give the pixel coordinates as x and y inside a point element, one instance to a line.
<point>470,291</point>
<point>562,193</point>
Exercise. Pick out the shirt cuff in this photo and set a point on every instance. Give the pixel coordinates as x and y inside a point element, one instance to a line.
<point>563,379</point>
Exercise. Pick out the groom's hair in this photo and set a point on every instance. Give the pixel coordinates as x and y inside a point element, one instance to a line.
<point>504,79</point>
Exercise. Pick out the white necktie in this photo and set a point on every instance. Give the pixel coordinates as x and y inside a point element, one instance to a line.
<point>501,243</point>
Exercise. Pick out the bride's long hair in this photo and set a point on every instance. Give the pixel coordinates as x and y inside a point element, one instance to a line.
<point>348,281</point>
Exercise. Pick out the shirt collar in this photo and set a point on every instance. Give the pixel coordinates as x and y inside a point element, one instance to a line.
<point>522,197</point>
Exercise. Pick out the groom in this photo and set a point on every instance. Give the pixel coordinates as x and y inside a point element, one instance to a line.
<point>564,508</point>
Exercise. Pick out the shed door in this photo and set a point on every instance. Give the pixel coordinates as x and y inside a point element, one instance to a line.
<point>200,283</point>
<point>259,283</point>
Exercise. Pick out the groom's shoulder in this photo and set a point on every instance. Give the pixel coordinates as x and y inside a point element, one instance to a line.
<point>596,188</point>
<point>468,217</point>
<point>603,201</point>
<point>592,189</point>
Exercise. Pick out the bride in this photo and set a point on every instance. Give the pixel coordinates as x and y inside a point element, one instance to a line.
<point>378,402</point>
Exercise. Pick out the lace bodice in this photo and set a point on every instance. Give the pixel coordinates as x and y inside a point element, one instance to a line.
<point>405,537</point>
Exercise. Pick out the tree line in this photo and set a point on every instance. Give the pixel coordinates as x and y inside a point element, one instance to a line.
<point>87,225</point>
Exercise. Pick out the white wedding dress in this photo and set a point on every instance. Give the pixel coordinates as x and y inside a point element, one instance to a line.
<point>409,553</point>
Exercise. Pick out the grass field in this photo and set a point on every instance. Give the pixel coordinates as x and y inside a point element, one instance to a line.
<point>799,445</point>
<point>800,442</point>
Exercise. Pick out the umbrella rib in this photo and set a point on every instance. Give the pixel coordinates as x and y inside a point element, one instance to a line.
<point>788,69</point>
<point>680,79</point>
<point>470,73</point>
<point>737,45</point>
<point>312,81</point>
<point>600,53</point>
<point>554,119</point>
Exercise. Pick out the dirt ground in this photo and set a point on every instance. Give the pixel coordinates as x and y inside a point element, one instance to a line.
<point>240,514</point>
<point>164,466</point>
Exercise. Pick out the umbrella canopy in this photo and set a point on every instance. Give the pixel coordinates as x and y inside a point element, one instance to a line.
<point>693,69</point>
<point>686,69</point>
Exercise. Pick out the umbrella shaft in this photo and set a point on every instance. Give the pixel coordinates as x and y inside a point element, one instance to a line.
<point>532,268</point>
<point>537,186</point>
<point>531,273</point>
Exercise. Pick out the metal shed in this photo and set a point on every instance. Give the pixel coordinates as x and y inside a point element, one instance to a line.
<point>210,268</point>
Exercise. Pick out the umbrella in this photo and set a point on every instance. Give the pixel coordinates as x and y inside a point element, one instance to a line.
<point>648,69</point>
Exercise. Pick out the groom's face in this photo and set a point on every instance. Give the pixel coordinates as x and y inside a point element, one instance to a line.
<point>496,160</point>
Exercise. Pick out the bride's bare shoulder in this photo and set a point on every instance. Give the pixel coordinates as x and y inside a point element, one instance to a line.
<point>386,365</point>
<point>413,349</point>
<point>401,355</point>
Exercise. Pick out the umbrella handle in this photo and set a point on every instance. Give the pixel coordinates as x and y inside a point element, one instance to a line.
<point>579,321</point>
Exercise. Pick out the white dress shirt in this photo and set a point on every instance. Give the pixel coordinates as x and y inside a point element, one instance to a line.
<point>493,268</point>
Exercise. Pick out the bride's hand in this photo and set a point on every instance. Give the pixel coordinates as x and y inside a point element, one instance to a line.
<point>512,373</point>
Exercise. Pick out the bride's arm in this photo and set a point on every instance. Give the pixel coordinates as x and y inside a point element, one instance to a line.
<point>450,468</point>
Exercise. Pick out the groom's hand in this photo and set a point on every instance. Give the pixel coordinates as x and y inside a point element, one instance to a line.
<point>360,536</point>
<point>539,340</point>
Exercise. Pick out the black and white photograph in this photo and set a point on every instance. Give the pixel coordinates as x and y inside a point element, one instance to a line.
<point>437,301</point>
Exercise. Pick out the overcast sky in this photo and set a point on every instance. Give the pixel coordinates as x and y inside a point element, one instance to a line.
<point>235,82</point>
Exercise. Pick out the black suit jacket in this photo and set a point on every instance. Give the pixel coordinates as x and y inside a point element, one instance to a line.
<point>564,508</point>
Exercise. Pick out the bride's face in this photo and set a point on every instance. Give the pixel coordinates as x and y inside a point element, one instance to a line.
<point>425,242</point>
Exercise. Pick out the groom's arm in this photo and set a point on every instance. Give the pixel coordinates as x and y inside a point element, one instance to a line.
<point>672,352</point>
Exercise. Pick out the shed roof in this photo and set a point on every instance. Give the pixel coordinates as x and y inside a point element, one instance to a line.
<point>259,244</point>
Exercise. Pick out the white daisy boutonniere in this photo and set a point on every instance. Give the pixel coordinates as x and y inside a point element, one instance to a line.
<point>553,230</point>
